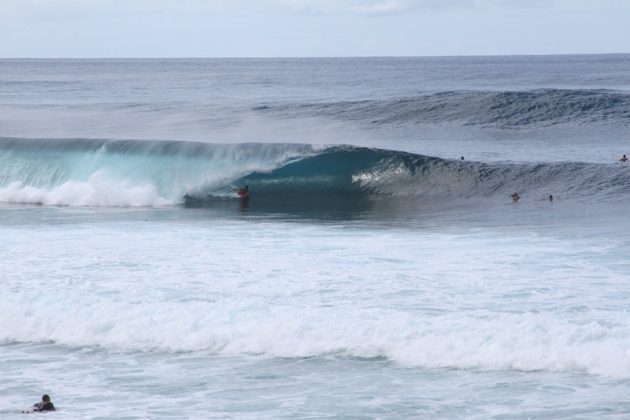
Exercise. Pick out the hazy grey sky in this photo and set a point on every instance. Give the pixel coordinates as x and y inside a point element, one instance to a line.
<point>289,28</point>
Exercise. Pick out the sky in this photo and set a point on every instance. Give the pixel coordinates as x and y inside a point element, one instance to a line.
<point>310,28</point>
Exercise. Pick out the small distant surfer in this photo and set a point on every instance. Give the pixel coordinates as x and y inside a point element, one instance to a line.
<point>44,405</point>
<point>515,197</point>
<point>461,158</point>
<point>243,192</point>
<point>550,197</point>
<point>624,158</point>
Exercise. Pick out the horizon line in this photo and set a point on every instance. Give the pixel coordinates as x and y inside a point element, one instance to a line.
<point>280,57</point>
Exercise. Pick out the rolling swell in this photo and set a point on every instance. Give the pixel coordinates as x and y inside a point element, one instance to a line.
<point>156,173</point>
<point>505,109</point>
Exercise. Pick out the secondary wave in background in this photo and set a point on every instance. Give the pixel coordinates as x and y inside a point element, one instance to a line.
<point>503,109</point>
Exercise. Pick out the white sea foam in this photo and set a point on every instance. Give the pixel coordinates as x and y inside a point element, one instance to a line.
<point>524,342</point>
<point>429,300</point>
<point>99,190</point>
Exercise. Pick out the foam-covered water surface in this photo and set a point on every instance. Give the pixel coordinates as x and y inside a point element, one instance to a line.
<point>262,317</point>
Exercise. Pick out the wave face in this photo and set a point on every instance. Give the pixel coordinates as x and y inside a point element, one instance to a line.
<point>504,109</point>
<point>155,173</point>
<point>79,172</point>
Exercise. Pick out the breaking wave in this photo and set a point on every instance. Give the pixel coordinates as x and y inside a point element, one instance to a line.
<point>156,173</point>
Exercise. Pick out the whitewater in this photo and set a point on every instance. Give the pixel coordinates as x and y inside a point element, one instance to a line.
<point>378,268</point>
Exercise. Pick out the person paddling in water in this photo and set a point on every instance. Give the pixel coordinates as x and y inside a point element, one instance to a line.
<point>44,405</point>
<point>515,197</point>
<point>624,158</point>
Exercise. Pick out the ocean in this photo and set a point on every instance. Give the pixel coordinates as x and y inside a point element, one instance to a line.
<point>379,267</point>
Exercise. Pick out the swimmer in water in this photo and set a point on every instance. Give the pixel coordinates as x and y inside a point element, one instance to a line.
<point>44,405</point>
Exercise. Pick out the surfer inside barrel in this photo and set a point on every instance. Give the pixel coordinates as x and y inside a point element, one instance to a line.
<point>243,192</point>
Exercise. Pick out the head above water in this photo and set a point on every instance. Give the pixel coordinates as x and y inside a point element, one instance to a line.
<point>45,398</point>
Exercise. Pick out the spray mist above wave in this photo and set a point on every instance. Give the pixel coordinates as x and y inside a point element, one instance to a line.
<point>82,172</point>
<point>155,173</point>
<point>503,109</point>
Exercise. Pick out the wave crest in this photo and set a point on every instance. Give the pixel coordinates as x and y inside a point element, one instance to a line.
<point>505,109</point>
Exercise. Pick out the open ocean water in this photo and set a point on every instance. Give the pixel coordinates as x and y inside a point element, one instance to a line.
<point>371,273</point>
